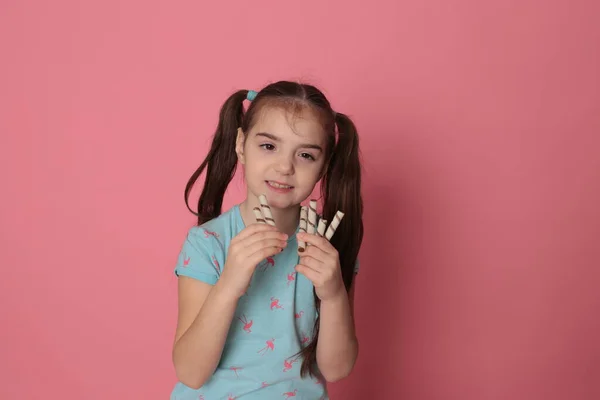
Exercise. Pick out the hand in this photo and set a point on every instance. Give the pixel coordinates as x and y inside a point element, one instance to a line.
<point>320,263</point>
<point>252,245</point>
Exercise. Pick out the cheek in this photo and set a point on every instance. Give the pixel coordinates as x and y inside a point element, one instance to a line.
<point>255,157</point>
<point>311,172</point>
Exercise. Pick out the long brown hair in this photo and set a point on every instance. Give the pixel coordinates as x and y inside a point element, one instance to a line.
<point>340,185</point>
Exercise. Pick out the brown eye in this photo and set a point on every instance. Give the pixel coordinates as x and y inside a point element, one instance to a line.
<point>267,146</point>
<point>307,156</point>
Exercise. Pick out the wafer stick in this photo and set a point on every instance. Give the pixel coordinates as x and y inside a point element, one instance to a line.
<point>334,224</point>
<point>303,217</point>
<point>312,217</point>
<point>321,227</point>
<point>259,216</point>
<point>266,210</point>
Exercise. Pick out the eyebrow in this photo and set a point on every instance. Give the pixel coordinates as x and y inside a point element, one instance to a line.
<point>276,139</point>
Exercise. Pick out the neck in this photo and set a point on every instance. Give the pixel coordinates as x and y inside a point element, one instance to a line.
<point>286,220</point>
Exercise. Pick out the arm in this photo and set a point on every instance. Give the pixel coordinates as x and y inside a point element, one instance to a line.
<point>337,348</point>
<point>205,315</point>
<point>206,311</point>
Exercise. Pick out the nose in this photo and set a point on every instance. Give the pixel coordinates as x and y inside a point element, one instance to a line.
<point>284,165</point>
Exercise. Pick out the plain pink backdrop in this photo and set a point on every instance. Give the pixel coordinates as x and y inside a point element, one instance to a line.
<point>480,131</point>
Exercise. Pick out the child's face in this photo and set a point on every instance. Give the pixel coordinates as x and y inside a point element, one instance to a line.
<point>283,155</point>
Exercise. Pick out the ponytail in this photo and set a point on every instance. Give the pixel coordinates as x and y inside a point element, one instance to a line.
<point>221,161</point>
<point>341,190</point>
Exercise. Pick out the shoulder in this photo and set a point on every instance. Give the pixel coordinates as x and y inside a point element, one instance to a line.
<point>205,247</point>
<point>220,229</point>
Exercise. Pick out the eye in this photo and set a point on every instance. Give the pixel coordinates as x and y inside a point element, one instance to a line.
<point>307,156</point>
<point>267,146</point>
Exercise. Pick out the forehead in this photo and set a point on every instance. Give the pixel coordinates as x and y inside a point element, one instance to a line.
<point>301,124</point>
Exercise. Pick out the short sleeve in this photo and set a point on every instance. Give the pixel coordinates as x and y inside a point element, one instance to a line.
<point>198,259</point>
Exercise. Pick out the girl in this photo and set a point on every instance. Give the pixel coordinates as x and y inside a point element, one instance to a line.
<point>257,319</point>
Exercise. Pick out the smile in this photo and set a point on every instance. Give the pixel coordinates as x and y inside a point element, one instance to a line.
<point>279,185</point>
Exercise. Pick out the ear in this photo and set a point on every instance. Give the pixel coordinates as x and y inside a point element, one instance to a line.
<point>239,145</point>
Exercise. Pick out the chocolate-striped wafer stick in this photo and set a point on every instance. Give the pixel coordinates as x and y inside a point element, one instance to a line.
<point>266,210</point>
<point>259,216</point>
<point>312,217</point>
<point>334,224</point>
<point>303,222</point>
<point>321,227</point>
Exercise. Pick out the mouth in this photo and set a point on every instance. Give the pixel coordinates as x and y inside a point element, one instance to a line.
<point>278,185</point>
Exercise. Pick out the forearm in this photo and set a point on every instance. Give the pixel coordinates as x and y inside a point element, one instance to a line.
<point>337,348</point>
<point>197,353</point>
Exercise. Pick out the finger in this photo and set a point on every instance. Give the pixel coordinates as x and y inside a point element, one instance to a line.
<point>317,241</point>
<point>257,246</point>
<point>261,237</point>
<point>309,273</point>
<point>252,229</point>
<point>263,253</point>
<point>316,253</point>
<point>312,263</point>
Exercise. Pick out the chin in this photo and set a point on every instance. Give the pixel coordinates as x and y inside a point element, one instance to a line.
<point>281,202</point>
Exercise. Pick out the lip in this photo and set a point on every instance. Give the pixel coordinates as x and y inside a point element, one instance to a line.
<point>280,183</point>
<point>279,190</point>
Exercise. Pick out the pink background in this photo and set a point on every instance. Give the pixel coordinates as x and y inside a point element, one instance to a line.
<point>480,132</point>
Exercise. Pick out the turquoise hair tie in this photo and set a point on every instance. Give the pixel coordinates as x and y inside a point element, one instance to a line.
<point>251,95</point>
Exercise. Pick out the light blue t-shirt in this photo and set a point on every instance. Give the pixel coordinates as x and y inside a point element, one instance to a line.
<point>273,321</point>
